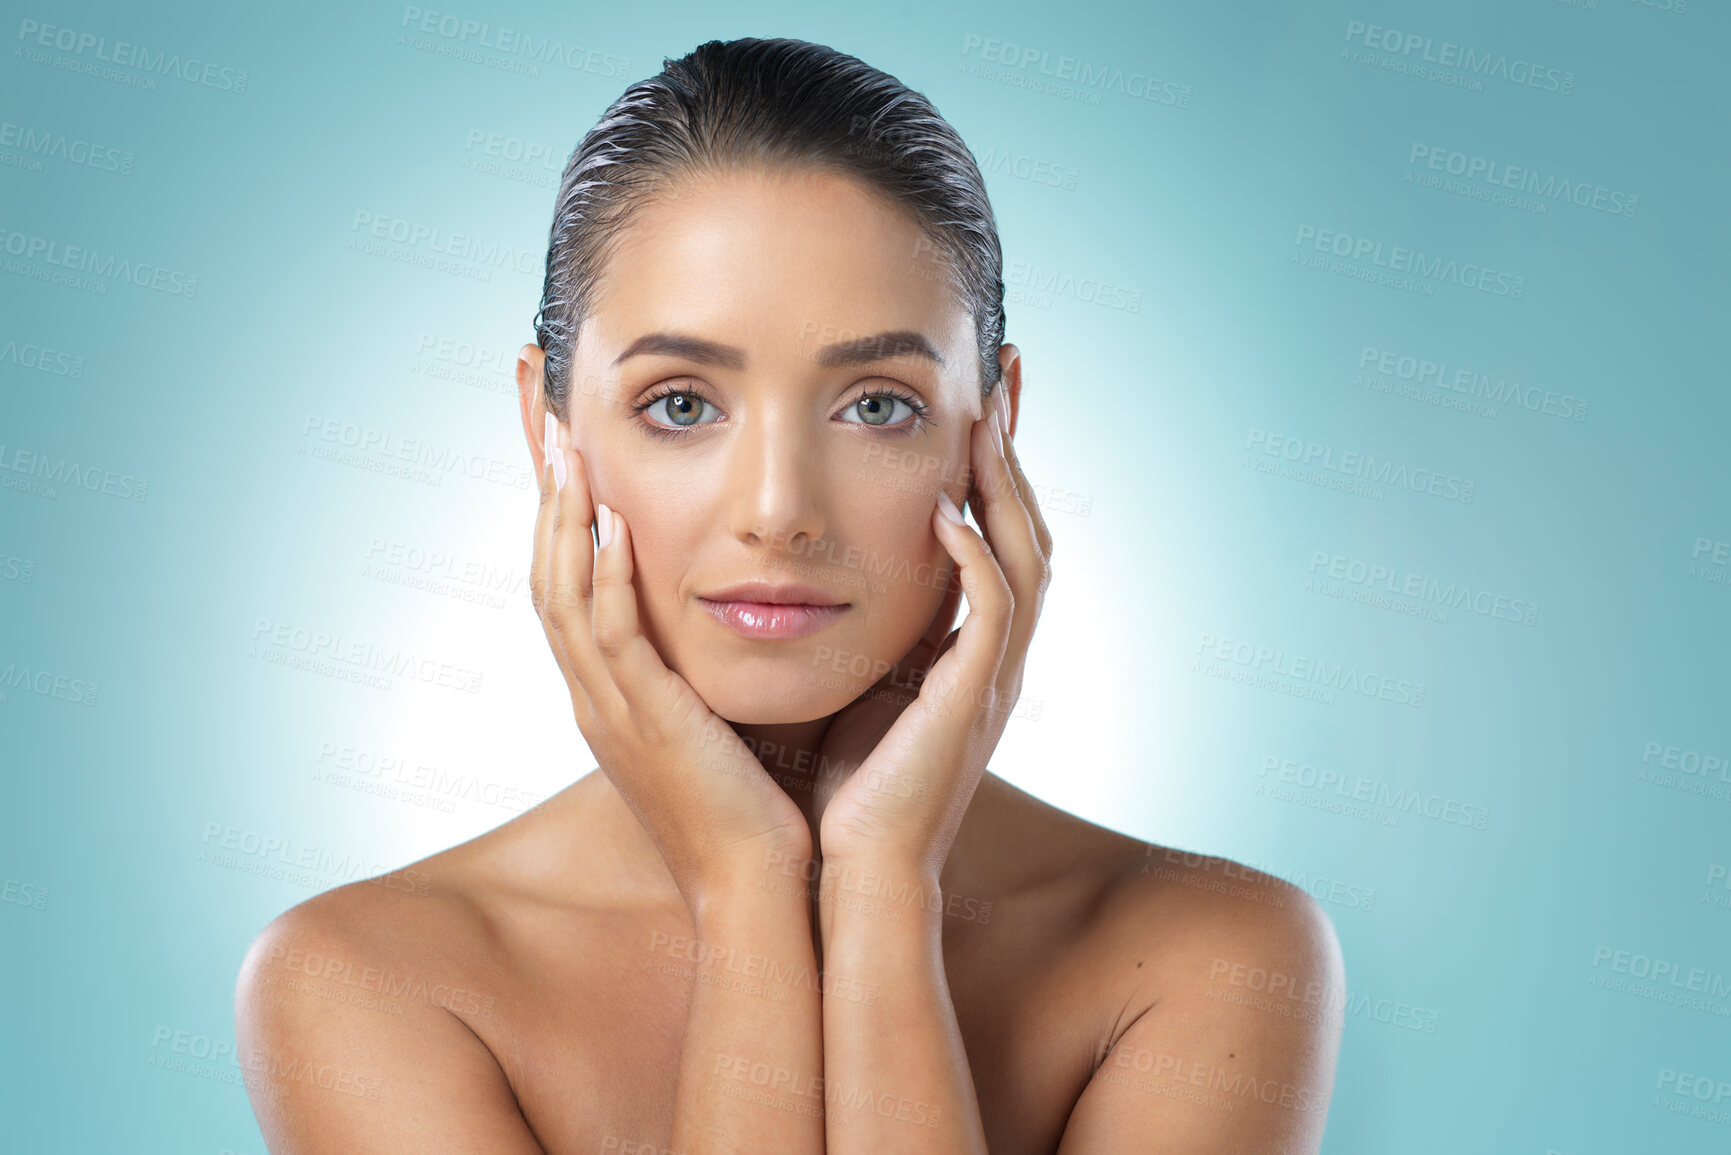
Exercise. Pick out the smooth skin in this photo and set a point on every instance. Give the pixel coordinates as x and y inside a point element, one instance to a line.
<point>791,909</point>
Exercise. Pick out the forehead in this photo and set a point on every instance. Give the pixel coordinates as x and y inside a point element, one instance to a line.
<point>776,261</point>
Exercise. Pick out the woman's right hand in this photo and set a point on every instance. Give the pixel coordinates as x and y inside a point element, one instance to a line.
<point>711,809</point>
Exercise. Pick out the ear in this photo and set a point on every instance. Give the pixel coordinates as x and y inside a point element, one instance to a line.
<point>1010,361</point>
<point>532,399</point>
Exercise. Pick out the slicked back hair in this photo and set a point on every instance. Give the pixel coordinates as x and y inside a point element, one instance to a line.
<point>777,104</point>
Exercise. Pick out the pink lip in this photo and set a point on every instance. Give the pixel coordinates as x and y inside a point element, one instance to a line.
<point>769,620</point>
<point>768,593</point>
<point>765,611</point>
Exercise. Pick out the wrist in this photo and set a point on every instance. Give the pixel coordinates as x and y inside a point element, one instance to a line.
<point>879,927</point>
<point>767,881</point>
<point>891,866</point>
<point>878,891</point>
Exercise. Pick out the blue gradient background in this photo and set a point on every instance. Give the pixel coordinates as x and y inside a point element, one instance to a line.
<point>125,919</point>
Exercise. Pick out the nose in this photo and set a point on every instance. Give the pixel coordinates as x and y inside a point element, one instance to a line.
<point>775,484</point>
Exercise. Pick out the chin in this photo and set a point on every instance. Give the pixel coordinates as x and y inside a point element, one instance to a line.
<point>777,700</point>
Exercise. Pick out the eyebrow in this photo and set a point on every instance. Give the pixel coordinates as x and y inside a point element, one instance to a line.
<point>842,354</point>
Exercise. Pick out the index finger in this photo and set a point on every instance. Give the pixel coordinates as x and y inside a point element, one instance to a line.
<point>564,566</point>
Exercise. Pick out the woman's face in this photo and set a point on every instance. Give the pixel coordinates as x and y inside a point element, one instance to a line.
<point>773,384</point>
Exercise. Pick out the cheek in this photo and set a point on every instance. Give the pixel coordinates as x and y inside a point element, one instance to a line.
<point>654,495</point>
<point>667,530</point>
<point>905,565</point>
<point>899,487</point>
<point>668,521</point>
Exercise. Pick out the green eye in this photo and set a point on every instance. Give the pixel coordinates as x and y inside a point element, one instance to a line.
<point>878,408</point>
<point>683,409</point>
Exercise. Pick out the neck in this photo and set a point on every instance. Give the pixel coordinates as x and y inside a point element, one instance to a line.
<point>788,752</point>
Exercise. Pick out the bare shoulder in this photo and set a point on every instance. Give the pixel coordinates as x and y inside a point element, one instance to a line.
<point>364,945</point>
<point>1168,900</point>
<point>1173,909</point>
<point>1227,987</point>
<point>1215,920</point>
<point>1217,990</point>
<point>358,1016</point>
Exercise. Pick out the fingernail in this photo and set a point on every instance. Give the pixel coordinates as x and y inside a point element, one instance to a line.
<point>998,429</point>
<point>559,456</point>
<point>603,525</point>
<point>1003,410</point>
<point>947,507</point>
<point>547,435</point>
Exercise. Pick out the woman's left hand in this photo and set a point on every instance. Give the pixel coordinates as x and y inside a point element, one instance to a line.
<point>916,760</point>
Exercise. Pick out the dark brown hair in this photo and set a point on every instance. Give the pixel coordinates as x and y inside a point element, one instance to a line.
<point>779,104</point>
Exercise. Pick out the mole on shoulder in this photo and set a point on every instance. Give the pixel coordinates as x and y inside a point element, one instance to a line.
<point>1138,962</point>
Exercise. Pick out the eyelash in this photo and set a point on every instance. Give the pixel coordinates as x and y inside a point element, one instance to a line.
<point>921,419</point>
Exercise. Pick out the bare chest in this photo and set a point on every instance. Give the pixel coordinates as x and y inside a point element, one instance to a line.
<point>592,1043</point>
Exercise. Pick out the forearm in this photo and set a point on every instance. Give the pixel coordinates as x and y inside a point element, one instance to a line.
<point>751,1068</point>
<point>896,1073</point>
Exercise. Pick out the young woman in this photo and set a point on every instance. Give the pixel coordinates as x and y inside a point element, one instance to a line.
<point>790,910</point>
